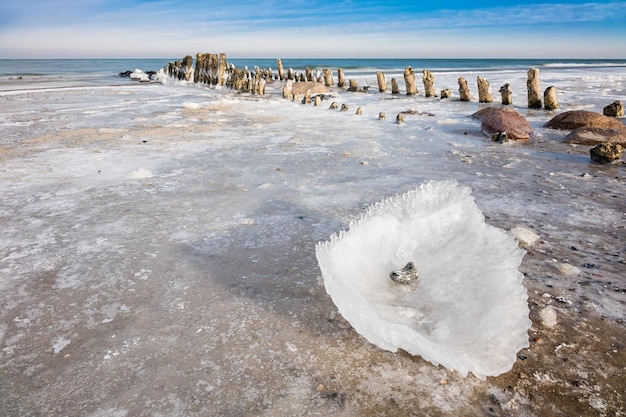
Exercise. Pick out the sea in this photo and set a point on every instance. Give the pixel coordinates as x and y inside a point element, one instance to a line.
<point>157,248</point>
<point>106,71</point>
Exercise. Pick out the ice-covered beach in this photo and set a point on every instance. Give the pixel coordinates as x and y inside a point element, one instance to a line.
<point>158,247</point>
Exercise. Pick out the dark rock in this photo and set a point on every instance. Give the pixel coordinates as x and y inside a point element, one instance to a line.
<point>596,135</point>
<point>574,119</point>
<point>615,109</point>
<point>606,153</point>
<point>501,120</point>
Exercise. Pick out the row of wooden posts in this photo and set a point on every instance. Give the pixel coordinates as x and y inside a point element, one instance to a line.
<point>213,69</point>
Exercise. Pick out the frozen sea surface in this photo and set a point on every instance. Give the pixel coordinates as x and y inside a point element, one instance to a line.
<point>158,251</point>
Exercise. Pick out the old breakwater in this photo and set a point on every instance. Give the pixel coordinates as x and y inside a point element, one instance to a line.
<point>214,69</point>
<point>315,85</point>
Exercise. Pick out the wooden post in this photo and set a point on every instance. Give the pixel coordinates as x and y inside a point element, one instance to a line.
<point>307,97</point>
<point>328,77</point>
<point>382,84</point>
<point>381,115</point>
<point>506,93</point>
<point>534,97</point>
<point>464,89</point>
<point>333,105</point>
<point>409,80</point>
<point>344,107</point>
<point>187,65</point>
<point>309,74</point>
<point>484,91</point>
<point>394,87</point>
<point>445,93</point>
<point>221,69</point>
<point>399,118</point>
<point>429,83</point>
<point>318,101</point>
<point>549,99</point>
<point>199,63</point>
<point>281,72</point>
<point>342,79</point>
<point>359,111</point>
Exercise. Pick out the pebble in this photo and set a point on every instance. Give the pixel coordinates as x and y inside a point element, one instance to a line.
<point>525,236</point>
<point>567,269</point>
<point>548,317</point>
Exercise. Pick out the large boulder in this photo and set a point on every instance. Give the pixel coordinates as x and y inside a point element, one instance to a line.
<point>596,135</point>
<point>500,120</point>
<point>574,119</point>
<point>300,87</point>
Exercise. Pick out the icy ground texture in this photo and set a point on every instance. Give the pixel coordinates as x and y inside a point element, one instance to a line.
<point>468,309</point>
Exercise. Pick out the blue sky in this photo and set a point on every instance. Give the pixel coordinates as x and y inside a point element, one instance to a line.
<point>312,29</point>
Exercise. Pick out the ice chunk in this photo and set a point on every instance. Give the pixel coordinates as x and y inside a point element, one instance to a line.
<point>526,238</point>
<point>467,310</point>
<point>141,173</point>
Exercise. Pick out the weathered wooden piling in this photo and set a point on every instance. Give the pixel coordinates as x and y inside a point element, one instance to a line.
<point>549,99</point>
<point>328,77</point>
<point>221,69</point>
<point>445,93</point>
<point>464,89</point>
<point>409,80</point>
<point>308,74</point>
<point>382,115</point>
<point>341,83</point>
<point>333,105</point>
<point>484,90</point>
<point>344,107</point>
<point>199,66</point>
<point>534,95</point>
<point>307,97</point>
<point>281,71</point>
<point>359,111</point>
<point>213,68</point>
<point>187,67</point>
<point>382,84</point>
<point>507,94</point>
<point>317,101</point>
<point>394,87</point>
<point>354,87</point>
<point>399,118</point>
<point>429,83</point>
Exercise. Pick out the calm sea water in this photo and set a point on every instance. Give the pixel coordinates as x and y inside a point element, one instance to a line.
<point>106,70</point>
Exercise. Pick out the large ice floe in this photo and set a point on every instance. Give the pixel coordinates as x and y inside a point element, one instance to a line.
<point>467,310</point>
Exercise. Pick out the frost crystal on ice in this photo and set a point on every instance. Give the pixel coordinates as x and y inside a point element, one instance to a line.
<point>467,311</point>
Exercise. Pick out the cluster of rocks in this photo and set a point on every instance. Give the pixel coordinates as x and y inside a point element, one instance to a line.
<point>605,133</point>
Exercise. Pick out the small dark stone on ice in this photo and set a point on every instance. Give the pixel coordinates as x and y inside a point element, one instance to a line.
<point>405,275</point>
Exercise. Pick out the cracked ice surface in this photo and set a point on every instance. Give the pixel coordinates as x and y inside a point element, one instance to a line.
<point>158,249</point>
